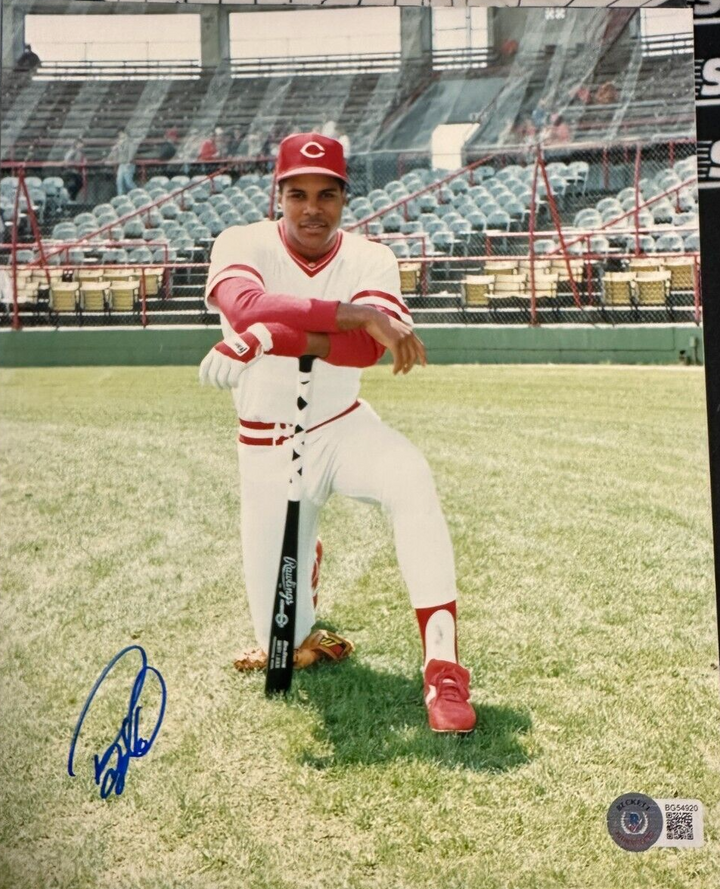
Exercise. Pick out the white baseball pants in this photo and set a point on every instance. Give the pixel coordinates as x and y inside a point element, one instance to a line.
<point>360,457</point>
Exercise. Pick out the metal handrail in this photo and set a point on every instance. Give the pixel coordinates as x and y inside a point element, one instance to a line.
<point>122,69</point>
<point>346,63</point>
<point>426,189</point>
<point>121,63</point>
<point>676,43</point>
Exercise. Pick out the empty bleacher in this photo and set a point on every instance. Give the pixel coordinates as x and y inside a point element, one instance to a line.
<point>359,102</point>
<point>448,231</point>
<point>654,103</point>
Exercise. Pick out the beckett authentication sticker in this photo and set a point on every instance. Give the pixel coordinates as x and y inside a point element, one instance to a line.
<point>635,822</point>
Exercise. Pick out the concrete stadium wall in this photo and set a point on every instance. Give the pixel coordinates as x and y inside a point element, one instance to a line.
<point>657,344</point>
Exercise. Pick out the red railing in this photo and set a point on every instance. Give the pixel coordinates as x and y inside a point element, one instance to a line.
<point>403,202</point>
<point>425,261</point>
<point>139,211</point>
<point>566,240</point>
<point>166,267</point>
<point>635,210</point>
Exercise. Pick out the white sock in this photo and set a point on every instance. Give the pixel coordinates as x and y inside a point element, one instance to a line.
<point>440,637</point>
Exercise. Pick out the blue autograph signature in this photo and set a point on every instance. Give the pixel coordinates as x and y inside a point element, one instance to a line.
<point>112,766</point>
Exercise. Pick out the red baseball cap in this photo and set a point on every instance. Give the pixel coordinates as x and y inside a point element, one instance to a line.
<point>310,153</point>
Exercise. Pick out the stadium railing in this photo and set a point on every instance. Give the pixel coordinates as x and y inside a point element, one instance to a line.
<point>327,65</point>
<point>667,44</point>
<point>445,264</point>
<point>179,69</point>
<point>139,69</point>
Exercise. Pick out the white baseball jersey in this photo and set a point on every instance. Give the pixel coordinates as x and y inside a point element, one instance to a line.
<point>355,270</point>
<point>357,455</point>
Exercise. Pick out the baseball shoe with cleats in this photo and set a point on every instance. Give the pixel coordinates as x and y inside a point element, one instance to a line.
<point>226,361</point>
<point>322,645</point>
<point>447,697</point>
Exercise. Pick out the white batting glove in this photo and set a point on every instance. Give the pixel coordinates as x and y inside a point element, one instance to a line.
<point>225,362</point>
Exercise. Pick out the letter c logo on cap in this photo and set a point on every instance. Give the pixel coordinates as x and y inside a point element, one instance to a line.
<point>312,150</point>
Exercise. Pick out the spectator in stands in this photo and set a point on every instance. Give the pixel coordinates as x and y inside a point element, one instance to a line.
<point>582,94</point>
<point>168,147</point>
<point>122,153</point>
<point>606,94</point>
<point>29,159</point>
<point>559,130</point>
<point>223,145</point>
<point>524,129</point>
<point>253,149</point>
<point>508,48</point>
<point>235,144</point>
<point>268,153</point>
<point>540,115</point>
<point>189,149</point>
<point>28,60</point>
<point>253,145</point>
<point>6,290</point>
<point>209,150</point>
<point>73,176</point>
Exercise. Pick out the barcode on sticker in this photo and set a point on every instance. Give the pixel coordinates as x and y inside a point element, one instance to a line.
<point>683,823</point>
<point>679,825</point>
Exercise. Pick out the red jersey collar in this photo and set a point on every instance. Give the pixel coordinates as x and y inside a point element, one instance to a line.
<point>310,267</point>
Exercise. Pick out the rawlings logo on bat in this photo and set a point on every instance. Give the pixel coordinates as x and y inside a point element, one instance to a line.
<point>287,589</point>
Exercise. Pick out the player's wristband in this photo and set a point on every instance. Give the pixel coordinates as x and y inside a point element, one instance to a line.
<point>239,344</point>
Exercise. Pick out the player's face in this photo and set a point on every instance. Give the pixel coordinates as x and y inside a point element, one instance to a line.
<point>312,206</point>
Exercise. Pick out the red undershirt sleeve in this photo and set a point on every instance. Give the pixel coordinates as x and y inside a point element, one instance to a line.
<point>244,302</point>
<point>356,348</point>
<point>353,348</point>
<point>350,348</point>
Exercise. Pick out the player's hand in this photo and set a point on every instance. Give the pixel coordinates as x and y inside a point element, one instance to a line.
<point>406,349</point>
<point>226,361</point>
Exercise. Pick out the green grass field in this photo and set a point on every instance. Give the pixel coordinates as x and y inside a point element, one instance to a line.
<point>578,502</point>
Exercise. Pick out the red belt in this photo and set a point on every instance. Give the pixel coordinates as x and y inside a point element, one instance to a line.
<point>257,425</point>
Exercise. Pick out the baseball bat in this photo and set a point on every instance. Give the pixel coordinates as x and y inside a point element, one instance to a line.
<point>282,629</point>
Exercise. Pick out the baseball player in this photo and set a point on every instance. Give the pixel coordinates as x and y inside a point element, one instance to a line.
<point>302,286</point>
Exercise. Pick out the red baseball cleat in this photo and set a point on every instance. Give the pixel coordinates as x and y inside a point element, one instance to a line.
<point>447,697</point>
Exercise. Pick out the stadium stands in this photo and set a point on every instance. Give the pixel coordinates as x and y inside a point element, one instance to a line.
<point>448,231</point>
<point>265,106</point>
<point>374,101</point>
<point>458,222</point>
<point>650,105</point>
